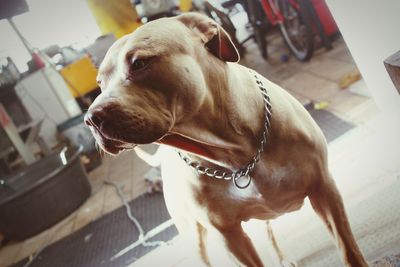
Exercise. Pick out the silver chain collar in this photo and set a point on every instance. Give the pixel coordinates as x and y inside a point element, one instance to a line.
<point>244,171</point>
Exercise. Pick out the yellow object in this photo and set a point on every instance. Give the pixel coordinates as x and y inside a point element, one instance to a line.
<point>321,105</point>
<point>80,76</point>
<point>117,17</point>
<point>349,79</point>
<point>185,5</point>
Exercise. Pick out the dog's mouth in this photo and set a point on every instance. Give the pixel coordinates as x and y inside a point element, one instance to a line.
<point>204,149</point>
<point>114,138</point>
<point>115,146</point>
<point>111,145</point>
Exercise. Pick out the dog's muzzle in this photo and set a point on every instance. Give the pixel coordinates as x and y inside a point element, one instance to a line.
<point>96,124</point>
<point>116,128</point>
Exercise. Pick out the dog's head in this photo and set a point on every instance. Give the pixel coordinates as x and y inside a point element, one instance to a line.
<point>152,78</point>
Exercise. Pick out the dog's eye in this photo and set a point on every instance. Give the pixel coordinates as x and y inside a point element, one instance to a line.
<point>138,64</point>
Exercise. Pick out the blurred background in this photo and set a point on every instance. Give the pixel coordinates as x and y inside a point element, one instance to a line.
<point>62,203</point>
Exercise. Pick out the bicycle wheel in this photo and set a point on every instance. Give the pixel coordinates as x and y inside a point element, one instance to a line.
<point>296,28</point>
<point>258,24</point>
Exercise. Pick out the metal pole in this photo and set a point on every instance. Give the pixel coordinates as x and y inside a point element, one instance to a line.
<point>31,51</point>
<point>24,41</point>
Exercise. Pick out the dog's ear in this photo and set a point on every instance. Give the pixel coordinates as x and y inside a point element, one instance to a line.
<point>215,38</point>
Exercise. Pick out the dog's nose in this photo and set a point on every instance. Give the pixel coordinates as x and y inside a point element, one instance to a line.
<point>93,119</point>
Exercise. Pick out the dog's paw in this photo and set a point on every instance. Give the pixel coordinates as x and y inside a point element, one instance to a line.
<point>286,263</point>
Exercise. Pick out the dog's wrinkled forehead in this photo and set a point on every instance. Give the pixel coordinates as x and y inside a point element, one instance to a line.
<point>160,37</point>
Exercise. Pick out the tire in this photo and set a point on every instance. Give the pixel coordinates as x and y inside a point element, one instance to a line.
<point>257,21</point>
<point>296,29</point>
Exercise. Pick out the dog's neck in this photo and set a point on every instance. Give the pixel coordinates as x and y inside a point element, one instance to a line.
<point>228,127</point>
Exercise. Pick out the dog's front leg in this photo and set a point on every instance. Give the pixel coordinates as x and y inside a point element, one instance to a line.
<point>239,245</point>
<point>201,239</point>
<point>282,261</point>
<point>327,202</point>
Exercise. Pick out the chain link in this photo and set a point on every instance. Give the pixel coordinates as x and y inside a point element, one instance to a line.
<point>246,170</point>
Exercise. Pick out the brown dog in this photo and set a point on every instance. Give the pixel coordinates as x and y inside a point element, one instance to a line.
<point>173,82</point>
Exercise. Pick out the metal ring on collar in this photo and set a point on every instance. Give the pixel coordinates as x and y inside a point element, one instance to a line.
<point>235,179</point>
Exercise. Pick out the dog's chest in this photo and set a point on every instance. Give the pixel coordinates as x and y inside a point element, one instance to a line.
<point>272,192</point>
<point>282,178</point>
<point>265,182</point>
<point>281,185</point>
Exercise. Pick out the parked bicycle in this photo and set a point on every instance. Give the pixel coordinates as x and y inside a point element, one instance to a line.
<point>294,23</point>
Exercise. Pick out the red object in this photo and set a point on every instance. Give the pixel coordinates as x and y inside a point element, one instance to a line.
<point>4,118</point>
<point>184,143</point>
<point>325,16</point>
<point>38,61</point>
<point>272,12</point>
